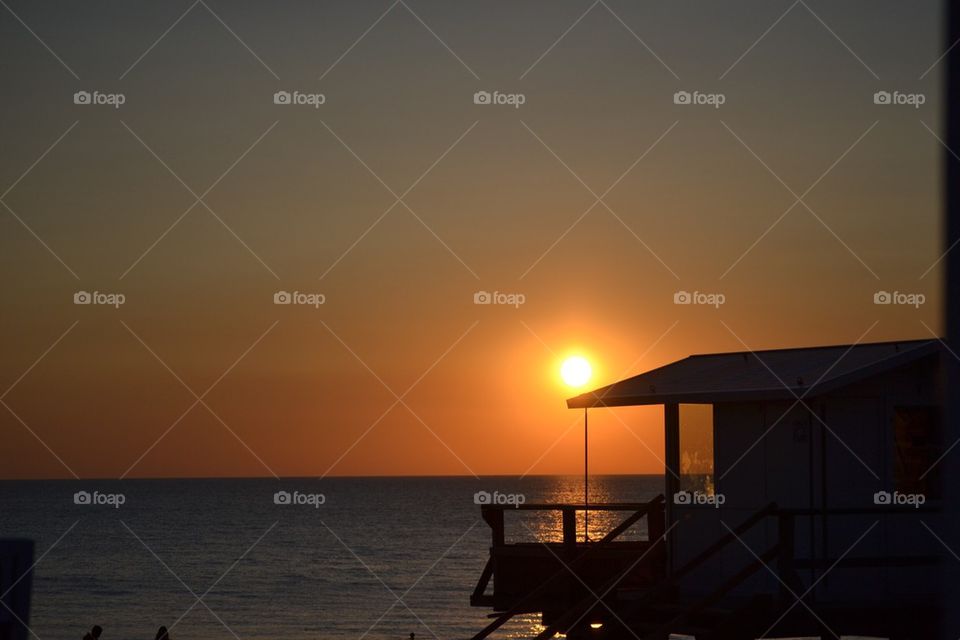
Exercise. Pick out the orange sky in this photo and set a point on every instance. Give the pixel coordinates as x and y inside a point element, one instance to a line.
<point>507,202</point>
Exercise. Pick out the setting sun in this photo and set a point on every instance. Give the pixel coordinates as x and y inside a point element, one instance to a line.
<point>575,371</point>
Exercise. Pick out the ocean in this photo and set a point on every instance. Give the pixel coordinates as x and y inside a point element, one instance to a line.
<point>253,559</point>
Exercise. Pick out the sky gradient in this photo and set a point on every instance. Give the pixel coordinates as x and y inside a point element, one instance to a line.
<point>399,198</point>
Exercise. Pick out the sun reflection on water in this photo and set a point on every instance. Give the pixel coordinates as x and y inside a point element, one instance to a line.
<point>547,526</point>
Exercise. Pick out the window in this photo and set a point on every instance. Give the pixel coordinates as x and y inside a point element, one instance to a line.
<point>696,448</point>
<point>917,447</point>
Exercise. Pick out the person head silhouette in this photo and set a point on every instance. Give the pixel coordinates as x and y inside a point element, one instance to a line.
<point>412,635</point>
<point>96,631</point>
<point>162,634</point>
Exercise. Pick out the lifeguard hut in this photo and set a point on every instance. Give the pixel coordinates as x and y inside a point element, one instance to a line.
<point>801,497</point>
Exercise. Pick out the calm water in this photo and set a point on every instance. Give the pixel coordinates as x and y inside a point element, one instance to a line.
<point>273,571</point>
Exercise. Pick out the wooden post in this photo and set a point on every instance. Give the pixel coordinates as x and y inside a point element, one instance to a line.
<point>570,529</point>
<point>785,556</point>
<point>655,521</point>
<point>493,516</point>
<point>671,446</point>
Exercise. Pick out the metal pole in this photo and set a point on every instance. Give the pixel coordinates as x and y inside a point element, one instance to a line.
<point>586,486</point>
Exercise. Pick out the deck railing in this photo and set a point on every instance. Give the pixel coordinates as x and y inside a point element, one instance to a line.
<point>494,516</point>
<point>574,553</point>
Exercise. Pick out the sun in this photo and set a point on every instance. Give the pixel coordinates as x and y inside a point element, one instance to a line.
<point>575,371</point>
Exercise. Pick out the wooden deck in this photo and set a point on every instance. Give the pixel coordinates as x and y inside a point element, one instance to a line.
<point>551,577</point>
<point>614,589</point>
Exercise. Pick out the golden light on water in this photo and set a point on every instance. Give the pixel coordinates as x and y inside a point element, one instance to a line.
<point>575,371</point>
